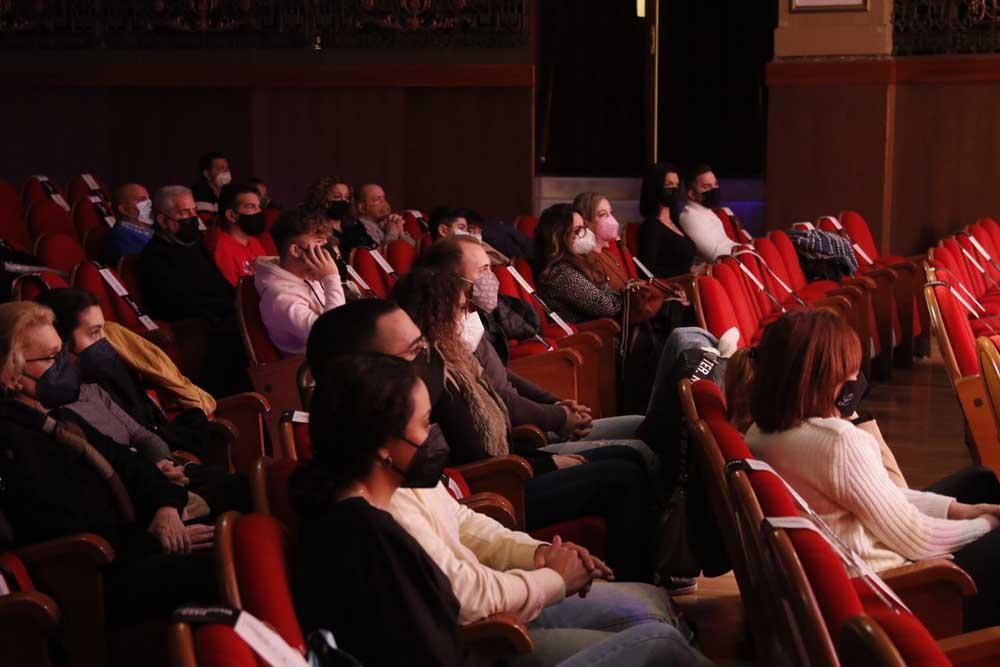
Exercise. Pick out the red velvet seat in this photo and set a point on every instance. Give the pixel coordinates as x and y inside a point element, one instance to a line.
<point>59,251</point>
<point>632,237</point>
<point>378,280</point>
<point>267,243</point>
<point>414,226</point>
<point>91,211</point>
<point>722,302</point>
<point>526,225</point>
<point>260,349</point>
<point>88,276</point>
<point>731,224</point>
<point>9,198</point>
<point>271,216</point>
<point>401,255</point>
<point>28,286</point>
<point>40,188</point>
<point>84,185</point>
<point>45,216</point>
<point>210,645</point>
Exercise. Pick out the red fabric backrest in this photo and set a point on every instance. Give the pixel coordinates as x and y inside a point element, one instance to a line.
<point>87,277</point>
<point>263,349</point>
<point>790,258</point>
<point>911,638</point>
<point>980,231</point>
<point>124,314</point>
<point>757,299</point>
<point>401,256</point>
<point>364,264</point>
<point>632,238</point>
<point>828,579</point>
<point>13,572</point>
<point>508,286</point>
<point>262,575</point>
<point>9,198</point>
<point>266,242</point>
<point>729,226</point>
<point>218,645</point>
<point>744,307</point>
<point>27,287</point>
<point>46,216</point>
<point>128,272</point>
<point>412,227</point>
<point>975,262</point>
<point>34,191</point>
<point>12,227</point>
<point>93,241</point>
<point>303,443</point>
<point>424,241</point>
<point>458,487</point>
<point>776,262</point>
<point>526,225</point>
<point>719,313</point>
<point>857,227</point>
<point>59,251</point>
<point>708,400</point>
<point>825,224</point>
<point>991,226</point>
<point>955,319</point>
<point>78,188</point>
<point>972,278</point>
<point>524,268</point>
<point>88,214</point>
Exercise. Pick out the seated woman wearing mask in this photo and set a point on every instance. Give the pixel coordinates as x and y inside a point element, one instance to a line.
<point>330,196</point>
<point>58,482</point>
<point>804,379</point>
<point>96,377</point>
<point>479,406</point>
<point>663,247</point>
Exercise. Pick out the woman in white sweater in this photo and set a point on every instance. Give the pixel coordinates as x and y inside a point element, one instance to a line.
<point>805,374</point>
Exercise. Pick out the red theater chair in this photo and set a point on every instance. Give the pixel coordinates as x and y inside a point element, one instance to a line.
<point>28,286</point>
<point>526,225</point>
<point>59,251</point>
<point>40,188</point>
<point>731,224</point>
<point>401,256</point>
<point>29,619</point>
<point>212,645</point>
<point>632,237</point>
<point>379,280</point>
<point>84,185</point>
<point>46,216</point>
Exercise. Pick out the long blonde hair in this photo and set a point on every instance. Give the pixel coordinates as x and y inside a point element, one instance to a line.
<point>17,319</point>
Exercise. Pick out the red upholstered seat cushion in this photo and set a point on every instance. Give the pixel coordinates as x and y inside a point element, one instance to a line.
<point>368,269</point>
<point>263,349</point>
<point>960,330</point>
<point>262,575</point>
<point>526,225</point>
<point>588,531</point>
<point>401,256</point>
<point>857,228</point>
<point>46,216</point>
<point>725,305</point>
<point>219,646</point>
<point>59,251</point>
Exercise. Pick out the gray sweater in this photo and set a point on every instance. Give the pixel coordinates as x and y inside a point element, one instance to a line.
<point>526,403</point>
<point>99,410</point>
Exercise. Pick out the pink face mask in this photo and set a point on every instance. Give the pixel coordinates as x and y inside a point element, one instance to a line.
<point>606,229</point>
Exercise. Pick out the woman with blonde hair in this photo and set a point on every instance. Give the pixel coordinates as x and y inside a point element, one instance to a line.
<point>58,482</point>
<point>805,385</point>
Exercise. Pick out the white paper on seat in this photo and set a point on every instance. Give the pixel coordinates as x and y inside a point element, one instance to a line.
<point>979,248</point>
<point>561,323</point>
<point>381,261</point>
<point>112,280</point>
<point>91,182</point>
<point>356,277</point>
<point>968,256</point>
<point>267,643</point>
<point>300,417</point>
<point>148,322</point>
<point>58,198</point>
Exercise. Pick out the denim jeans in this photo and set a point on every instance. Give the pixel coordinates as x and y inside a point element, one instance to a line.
<point>609,431</point>
<point>616,624</point>
<point>680,339</point>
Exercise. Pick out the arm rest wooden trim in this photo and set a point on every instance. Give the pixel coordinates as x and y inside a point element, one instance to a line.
<point>27,622</point>
<point>555,371</point>
<point>246,411</point>
<point>82,548</point>
<point>934,591</point>
<point>223,436</point>
<point>180,645</point>
<point>225,568</point>
<point>529,435</point>
<point>978,413</point>
<point>248,400</point>
<point>862,641</point>
<point>504,475</point>
<point>497,636</point>
<point>494,506</point>
<point>258,486</point>
<point>981,647</point>
<point>597,379</point>
<point>605,327</point>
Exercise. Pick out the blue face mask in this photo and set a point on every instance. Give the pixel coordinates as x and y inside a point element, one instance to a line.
<point>60,384</point>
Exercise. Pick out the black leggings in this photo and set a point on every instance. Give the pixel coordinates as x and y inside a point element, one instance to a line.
<point>972,485</point>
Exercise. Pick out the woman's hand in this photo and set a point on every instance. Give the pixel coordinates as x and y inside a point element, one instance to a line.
<point>959,510</point>
<point>167,527</point>
<point>173,472</point>
<point>567,460</point>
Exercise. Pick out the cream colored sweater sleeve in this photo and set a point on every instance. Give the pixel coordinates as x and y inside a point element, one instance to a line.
<point>862,486</point>
<point>434,519</point>
<point>494,545</point>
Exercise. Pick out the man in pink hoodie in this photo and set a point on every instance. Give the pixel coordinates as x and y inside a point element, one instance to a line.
<point>299,285</point>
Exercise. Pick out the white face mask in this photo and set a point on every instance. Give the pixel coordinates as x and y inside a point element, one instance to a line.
<point>472,331</point>
<point>586,244</point>
<point>461,232</point>
<point>477,235</point>
<point>145,211</point>
<point>223,178</point>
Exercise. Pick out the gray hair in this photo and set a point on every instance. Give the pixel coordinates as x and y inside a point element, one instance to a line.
<point>163,199</point>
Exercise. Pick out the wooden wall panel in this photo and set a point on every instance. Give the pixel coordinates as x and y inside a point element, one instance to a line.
<point>826,147</point>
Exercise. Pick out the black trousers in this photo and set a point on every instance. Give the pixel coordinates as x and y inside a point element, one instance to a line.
<point>977,484</point>
<point>611,485</point>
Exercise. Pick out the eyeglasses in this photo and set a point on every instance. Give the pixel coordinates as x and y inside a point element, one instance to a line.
<point>51,357</point>
<point>580,232</point>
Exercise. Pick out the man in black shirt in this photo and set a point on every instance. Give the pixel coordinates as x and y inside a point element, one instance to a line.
<point>215,175</point>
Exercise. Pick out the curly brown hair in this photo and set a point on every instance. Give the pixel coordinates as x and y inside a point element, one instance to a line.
<point>318,195</point>
<point>554,244</point>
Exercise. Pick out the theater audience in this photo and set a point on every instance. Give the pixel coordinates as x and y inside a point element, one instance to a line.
<point>330,197</point>
<point>663,248</point>
<point>447,221</point>
<point>698,220</point>
<point>299,285</point>
<point>376,223</point>
<point>805,379</point>
<point>57,482</point>
<point>240,221</point>
<point>133,210</point>
<point>265,197</point>
<point>466,258</point>
<point>564,487</point>
<point>180,281</point>
<point>215,175</point>
<point>376,477</point>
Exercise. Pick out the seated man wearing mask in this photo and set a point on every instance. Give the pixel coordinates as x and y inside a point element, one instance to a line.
<point>299,285</point>
<point>240,221</point>
<point>698,220</point>
<point>134,211</point>
<point>447,222</point>
<point>376,224</point>
<point>215,175</point>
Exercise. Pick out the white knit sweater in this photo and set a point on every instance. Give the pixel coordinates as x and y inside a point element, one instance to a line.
<point>705,228</point>
<point>491,569</point>
<point>838,469</point>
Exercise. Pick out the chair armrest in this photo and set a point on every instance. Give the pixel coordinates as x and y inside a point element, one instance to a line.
<point>605,327</point>
<point>883,273</point>
<point>859,281</point>
<point>246,412</point>
<point>494,506</point>
<point>934,591</point>
<point>981,647</point>
<point>248,400</point>
<point>504,475</point>
<point>497,636</point>
<point>222,439</point>
<point>529,435</point>
<point>28,621</point>
<point>554,371</point>
<point>185,456</point>
<point>68,570</point>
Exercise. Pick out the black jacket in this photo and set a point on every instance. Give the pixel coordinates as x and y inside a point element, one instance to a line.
<point>48,491</point>
<point>664,252</point>
<point>182,282</point>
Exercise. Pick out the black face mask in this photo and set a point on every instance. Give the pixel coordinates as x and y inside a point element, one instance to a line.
<point>253,223</point>
<point>97,360</point>
<point>188,231</point>
<point>337,210</point>
<point>667,197</point>
<point>427,465</point>
<point>58,385</point>
<point>711,198</point>
<point>851,395</point>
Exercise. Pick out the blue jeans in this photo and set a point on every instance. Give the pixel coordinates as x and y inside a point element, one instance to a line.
<point>680,339</point>
<point>609,431</point>
<point>617,623</point>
